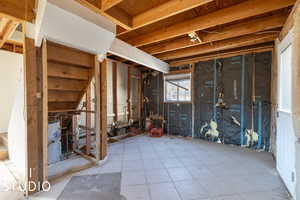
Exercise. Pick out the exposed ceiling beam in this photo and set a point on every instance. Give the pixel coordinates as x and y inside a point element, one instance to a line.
<point>219,45</point>
<point>289,22</point>
<point>107,4</point>
<point>240,11</point>
<point>8,31</point>
<point>225,32</point>
<point>19,10</point>
<point>165,10</point>
<point>115,14</point>
<point>225,54</point>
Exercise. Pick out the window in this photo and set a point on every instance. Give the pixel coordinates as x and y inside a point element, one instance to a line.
<point>285,80</point>
<point>178,88</point>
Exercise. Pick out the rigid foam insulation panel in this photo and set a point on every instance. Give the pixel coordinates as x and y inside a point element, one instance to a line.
<point>212,77</point>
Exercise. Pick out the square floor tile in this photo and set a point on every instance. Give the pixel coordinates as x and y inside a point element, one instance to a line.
<point>179,174</point>
<point>158,176</point>
<point>133,178</point>
<point>139,192</point>
<point>164,191</point>
<point>189,190</point>
<point>172,163</point>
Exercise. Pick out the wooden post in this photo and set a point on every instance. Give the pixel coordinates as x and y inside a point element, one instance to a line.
<point>129,93</point>
<point>45,109</point>
<point>115,93</point>
<point>140,98</point>
<point>103,110</point>
<point>88,120</point>
<point>98,109</point>
<point>32,110</point>
<point>193,98</point>
<point>74,136</point>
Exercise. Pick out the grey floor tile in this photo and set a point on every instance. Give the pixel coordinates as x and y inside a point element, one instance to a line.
<point>172,163</point>
<point>179,174</point>
<point>189,190</point>
<point>133,178</point>
<point>158,176</point>
<point>138,192</point>
<point>164,191</point>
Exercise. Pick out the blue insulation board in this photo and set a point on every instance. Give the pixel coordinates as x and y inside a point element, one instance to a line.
<point>233,77</point>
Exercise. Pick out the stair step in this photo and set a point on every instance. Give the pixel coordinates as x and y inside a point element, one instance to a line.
<point>3,152</point>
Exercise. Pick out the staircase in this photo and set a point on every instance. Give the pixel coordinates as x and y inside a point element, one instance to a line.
<point>3,146</point>
<point>69,74</point>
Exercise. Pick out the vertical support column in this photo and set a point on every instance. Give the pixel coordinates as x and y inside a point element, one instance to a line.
<point>88,120</point>
<point>260,136</point>
<point>215,91</point>
<point>103,108</point>
<point>45,109</point>
<point>74,132</point>
<point>32,112</point>
<point>242,100</point>
<point>98,109</point>
<point>129,93</point>
<point>115,93</point>
<point>140,98</point>
<point>193,99</point>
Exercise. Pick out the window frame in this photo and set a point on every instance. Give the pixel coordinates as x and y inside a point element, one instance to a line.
<point>184,76</point>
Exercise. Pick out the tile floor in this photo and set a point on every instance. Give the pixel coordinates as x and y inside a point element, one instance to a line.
<point>182,169</point>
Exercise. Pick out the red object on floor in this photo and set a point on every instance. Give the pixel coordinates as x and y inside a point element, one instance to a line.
<point>156,132</point>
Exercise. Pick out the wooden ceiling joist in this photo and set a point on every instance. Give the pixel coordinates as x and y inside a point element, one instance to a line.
<point>225,32</point>
<point>18,10</point>
<point>8,29</point>
<point>115,14</point>
<point>289,21</point>
<point>165,10</point>
<point>107,4</point>
<point>224,54</point>
<point>240,11</point>
<point>220,45</point>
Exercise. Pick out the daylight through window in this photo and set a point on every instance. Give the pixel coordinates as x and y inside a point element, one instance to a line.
<point>178,88</point>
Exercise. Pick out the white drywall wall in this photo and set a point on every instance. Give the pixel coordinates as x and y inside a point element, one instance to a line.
<point>10,73</point>
<point>17,119</point>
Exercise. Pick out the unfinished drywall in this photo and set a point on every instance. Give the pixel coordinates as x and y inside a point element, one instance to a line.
<point>10,74</point>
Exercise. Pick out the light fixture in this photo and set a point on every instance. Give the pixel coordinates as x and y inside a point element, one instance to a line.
<point>194,37</point>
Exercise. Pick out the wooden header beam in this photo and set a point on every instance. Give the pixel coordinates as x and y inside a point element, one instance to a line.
<point>240,11</point>
<point>220,45</point>
<point>226,32</point>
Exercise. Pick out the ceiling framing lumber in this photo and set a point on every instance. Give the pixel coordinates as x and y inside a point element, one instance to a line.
<point>165,10</point>
<point>240,11</point>
<point>289,21</point>
<point>224,54</point>
<point>225,32</point>
<point>107,4</point>
<point>115,14</point>
<point>19,10</point>
<point>8,31</point>
<point>220,45</point>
